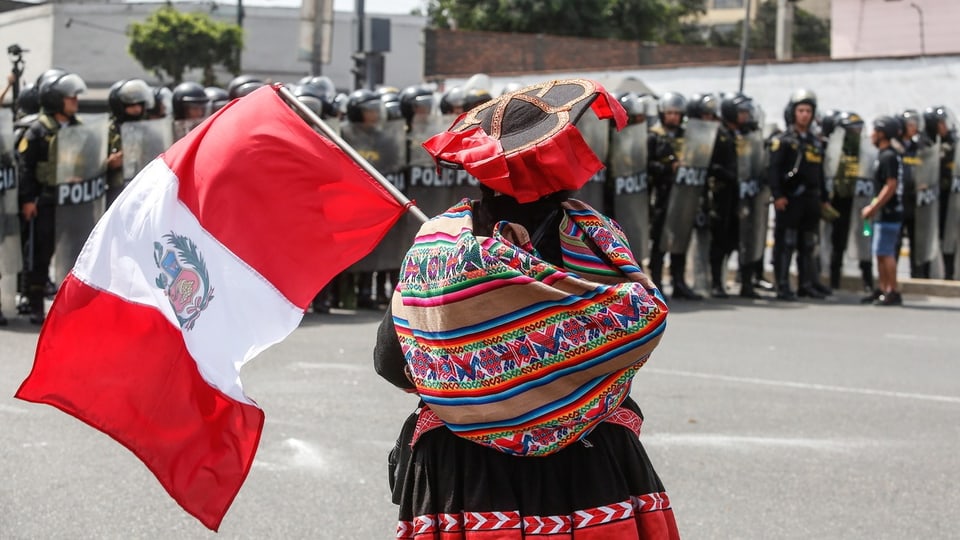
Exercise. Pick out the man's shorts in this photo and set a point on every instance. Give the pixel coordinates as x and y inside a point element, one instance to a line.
<point>885,235</point>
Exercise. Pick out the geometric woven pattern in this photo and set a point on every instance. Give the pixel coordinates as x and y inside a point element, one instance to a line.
<point>512,352</point>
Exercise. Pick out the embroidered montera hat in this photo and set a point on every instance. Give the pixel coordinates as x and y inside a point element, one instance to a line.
<point>525,143</point>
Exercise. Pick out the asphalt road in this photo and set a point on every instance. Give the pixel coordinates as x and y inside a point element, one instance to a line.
<point>765,421</point>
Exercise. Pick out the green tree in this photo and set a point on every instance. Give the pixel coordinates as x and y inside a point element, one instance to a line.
<point>171,42</point>
<point>658,20</point>
<point>811,34</point>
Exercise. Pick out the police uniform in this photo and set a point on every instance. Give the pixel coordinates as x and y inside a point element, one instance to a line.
<point>38,179</point>
<point>723,196</point>
<point>948,148</point>
<point>796,173</point>
<point>663,148</point>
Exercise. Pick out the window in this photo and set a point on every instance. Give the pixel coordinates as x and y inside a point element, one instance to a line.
<point>727,4</point>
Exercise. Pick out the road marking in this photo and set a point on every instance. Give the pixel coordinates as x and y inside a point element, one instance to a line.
<point>12,409</point>
<point>719,440</point>
<point>806,386</point>
<point>911,337</point>
<point>304,454</point>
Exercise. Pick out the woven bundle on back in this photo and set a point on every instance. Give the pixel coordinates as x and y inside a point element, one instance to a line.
<point>513,352</point>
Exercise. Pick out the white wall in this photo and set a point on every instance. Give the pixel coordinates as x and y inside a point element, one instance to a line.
<point>32,29</point>
<point>868,87</point>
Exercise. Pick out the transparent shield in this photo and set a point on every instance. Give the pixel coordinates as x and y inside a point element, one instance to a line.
<point>142,142</point>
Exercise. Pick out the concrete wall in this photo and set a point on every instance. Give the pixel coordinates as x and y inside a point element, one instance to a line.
<point>868,87</point>
<point>95,44</point>
<point>874,28</point>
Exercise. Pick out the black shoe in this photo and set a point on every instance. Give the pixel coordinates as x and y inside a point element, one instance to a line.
<point>872,297</point>
<point>892,298</point>
<point>749,292</point>
<point>682,292</point>
<point>3,320</point>
<point>810,292</point>
<point>821,288</point>
<point>787,296</point>
<point>37,318</point>
<point>718,292</point>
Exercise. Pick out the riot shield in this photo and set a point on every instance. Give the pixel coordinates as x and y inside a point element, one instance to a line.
<point>10,257</point>
<point>383,146</point>
<point>926,219</point>
<point>832,153</point>
<point>754,200</point>
<point>81,185</point>
<point>596,133</point>
<point>951,225</point>
<point>689,186</point>
<point>631,196</point>
<point>432,191</point>
<point>142,142</point>
<point>182,127</point>
<point>864,190</point>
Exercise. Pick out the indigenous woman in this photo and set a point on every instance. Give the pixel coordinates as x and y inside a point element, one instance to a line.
<point>520,320</point>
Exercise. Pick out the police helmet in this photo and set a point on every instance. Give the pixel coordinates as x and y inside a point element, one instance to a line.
<point>452,101</point>
<point>242,85</point>
<point>732,105</point>
<point>54,90</point>
<point>671,102</point>
<point>340,104</point>
<point>187,93</point>
<point>390,96</point>
<point>828,121</point>
<point>888,125</point>
<point>361,100</point>
<point>709,104</point>
<point>634,107</point>
<point>49,75</point>
<point>475,98</point>
<point>932,116</point>
<point>801,96</point>
<point>218,97</point>
<point>416,98</point>
<point>128,92</point>
<point>316,99</point>
<point>162,102</point>
<point>28,101</point>
<point>322,83</point>
<point>850,120</point>
<point>912,116</point>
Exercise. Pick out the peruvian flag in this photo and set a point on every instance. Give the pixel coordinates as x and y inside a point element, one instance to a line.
<point>209,256</point>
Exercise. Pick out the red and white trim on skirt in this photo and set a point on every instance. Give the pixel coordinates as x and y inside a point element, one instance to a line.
<point>647,517</point>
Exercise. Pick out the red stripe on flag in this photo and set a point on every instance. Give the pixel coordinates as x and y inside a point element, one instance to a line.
<point>141,387</point>
<point>284,199</point>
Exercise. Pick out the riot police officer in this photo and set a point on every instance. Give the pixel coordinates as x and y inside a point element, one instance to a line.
<point>842,195</point>
<point>912,141</point>
<point>797,184</point>
<point>936,122</point>
<point>37,196</point>
<point>723,190</point>
<point>452,101</point>
<point>664,148</point>
<point>189,101</point>
<point>129,100</point>
<point>162,103</point>
<point>243,85</point>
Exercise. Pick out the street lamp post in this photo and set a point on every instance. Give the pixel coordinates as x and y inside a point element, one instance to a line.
<point>923,45</point>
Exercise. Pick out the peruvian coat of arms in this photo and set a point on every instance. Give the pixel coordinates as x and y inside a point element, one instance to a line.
<point>184,278</point>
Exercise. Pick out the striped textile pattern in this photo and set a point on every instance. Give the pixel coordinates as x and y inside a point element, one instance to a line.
<point>512,352</point>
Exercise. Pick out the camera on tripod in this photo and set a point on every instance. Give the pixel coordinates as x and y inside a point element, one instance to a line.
<point>16,50</point>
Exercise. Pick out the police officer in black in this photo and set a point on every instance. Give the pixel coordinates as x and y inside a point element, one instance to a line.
<point>936,123</point>
<point>723,190</point>
<point>841,197</point>
<point>798,187</point>
<point>664,149</point>
<point>129,100</point>
<point>37,195</point>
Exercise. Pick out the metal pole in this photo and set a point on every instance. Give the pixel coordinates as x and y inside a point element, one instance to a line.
<point>923,47</point>
<point>315,120</point>
<point>358,77</point>
<point>240,16</point>
<point>744,45</point>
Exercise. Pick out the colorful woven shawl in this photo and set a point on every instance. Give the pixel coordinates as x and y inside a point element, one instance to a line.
<point>512,352</point>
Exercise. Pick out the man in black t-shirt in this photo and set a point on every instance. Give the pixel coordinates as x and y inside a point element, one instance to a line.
<point>886,209</point>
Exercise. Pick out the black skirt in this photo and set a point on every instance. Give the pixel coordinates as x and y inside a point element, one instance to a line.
<point>601,487</point>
